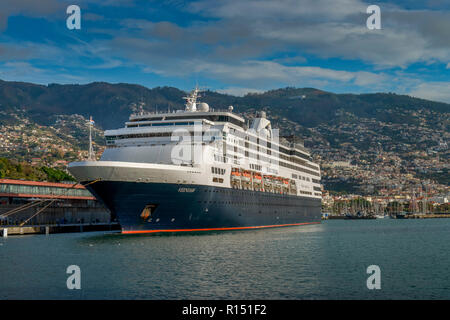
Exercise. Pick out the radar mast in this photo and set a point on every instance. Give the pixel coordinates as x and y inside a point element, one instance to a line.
<point>191,100</point>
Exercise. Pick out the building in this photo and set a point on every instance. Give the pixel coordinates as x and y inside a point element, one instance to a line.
<point>48,203</point>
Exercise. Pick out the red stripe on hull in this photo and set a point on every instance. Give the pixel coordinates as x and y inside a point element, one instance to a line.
<point>218,229</point>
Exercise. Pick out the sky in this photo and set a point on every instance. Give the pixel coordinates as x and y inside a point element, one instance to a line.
<point>232,46</point>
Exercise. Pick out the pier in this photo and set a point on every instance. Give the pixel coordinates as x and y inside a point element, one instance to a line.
<point>33,207</point>
<point>427,216</point>
<point>6,231</point>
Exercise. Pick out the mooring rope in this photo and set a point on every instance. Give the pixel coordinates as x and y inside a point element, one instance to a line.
<point>39,211</point>
<point>21,208</point>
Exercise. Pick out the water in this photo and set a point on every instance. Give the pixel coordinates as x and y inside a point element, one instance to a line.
<point>326,261</point>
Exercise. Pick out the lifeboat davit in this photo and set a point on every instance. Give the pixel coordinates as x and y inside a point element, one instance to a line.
<point>246,176</point>
<point>235,174</point>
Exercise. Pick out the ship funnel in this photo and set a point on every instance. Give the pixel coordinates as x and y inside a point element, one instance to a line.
<point>261,125</point>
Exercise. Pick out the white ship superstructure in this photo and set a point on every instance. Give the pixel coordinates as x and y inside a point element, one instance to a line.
<point>224,151</point>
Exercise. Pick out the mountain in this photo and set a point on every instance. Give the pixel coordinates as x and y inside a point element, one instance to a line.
<point>111,104</point>
<point>391,141</point>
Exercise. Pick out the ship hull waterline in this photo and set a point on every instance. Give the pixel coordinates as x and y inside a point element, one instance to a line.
<point>143,207</point>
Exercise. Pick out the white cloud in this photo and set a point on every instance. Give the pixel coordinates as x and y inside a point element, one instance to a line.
<point>237,91</point>
<point>259,44</point>
<point>42,8</point>
<point>338,28</point>
<point>20,68</point>
<point>24,71</point>
<point>107,64</point>
<point>435,91</point>
<point>265,73</point>
<point>257,9</point>
<point>363,78</point>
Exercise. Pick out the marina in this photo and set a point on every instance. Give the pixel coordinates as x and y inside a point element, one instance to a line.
<point>395,216</point>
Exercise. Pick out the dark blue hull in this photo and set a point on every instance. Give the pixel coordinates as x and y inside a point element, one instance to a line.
<point>173,207</point>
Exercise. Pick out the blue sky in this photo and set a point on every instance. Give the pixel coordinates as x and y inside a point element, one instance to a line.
<point>232,46</point>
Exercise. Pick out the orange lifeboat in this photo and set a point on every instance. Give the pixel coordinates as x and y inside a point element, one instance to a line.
<point>235,174</point>
<point>246,176</point>
<point>257,176</point>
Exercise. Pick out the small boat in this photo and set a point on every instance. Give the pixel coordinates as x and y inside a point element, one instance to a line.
<point>257,177</point>
<point>246,176</point>
<point>400,215</point>
<point>235,174</point>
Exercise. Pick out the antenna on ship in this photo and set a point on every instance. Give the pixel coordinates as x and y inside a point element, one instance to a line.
<point>141,108</point>
<point>91,149</point>
<point>191,100</point>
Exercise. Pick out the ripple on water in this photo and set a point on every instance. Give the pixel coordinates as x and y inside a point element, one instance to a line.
<point>326,261</point>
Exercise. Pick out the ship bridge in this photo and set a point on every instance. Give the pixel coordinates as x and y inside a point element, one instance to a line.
<point>152,137</point>
<point>193,111</point>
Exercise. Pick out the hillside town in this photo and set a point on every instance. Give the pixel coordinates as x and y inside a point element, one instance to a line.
<point>377,162</point>
<point>381,162</point>
<point>53,145</point>
<point>389,162</point>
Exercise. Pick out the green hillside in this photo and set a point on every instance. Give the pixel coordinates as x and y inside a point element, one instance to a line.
<point>10,169</point>
<point>111,104</point>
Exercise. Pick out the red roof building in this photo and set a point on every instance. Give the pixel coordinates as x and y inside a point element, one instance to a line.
<point>49,190</point>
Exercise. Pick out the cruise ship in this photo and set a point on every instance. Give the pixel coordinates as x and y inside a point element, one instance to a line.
<point>201,169</point>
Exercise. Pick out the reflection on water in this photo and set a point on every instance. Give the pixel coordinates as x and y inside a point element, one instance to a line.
<point>326,261</point>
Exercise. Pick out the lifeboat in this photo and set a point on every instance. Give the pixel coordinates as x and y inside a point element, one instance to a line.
<point>286,181</point>
<point>235,174</point>
<point>257,177</point>
<point>246,176</point>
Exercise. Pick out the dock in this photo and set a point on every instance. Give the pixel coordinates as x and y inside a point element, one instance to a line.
<point>36,207</point>
<point>62,228</point>
<point>394,216</point>
<point>427,216</point>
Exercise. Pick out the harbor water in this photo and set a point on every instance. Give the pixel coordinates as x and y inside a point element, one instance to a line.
<point>324,261</point>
